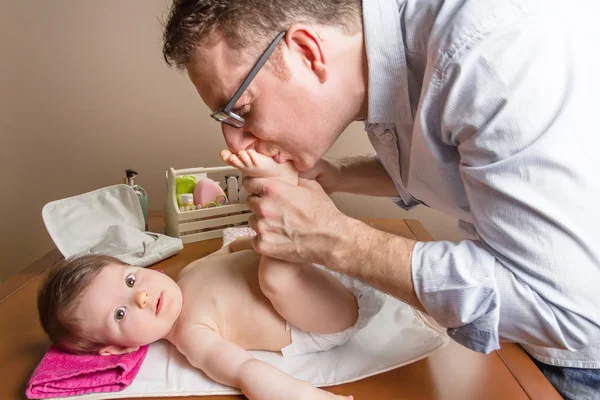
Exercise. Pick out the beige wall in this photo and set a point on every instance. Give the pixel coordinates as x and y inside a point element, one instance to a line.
<point>84,94</point>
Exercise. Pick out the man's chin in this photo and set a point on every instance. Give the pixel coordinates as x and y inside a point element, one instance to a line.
<point>304,164</point>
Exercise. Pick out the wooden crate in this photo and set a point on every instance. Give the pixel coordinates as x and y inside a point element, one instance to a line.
<point>201,224</point>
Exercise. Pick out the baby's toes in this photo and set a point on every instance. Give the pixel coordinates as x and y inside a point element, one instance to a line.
<point>235,161</point>
<point>225,154</point>
<point>245,158</point>
<point>254,156</point>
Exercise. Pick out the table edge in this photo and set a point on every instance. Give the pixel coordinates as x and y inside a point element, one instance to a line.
<point>532,380</point>
<point>23,277</point>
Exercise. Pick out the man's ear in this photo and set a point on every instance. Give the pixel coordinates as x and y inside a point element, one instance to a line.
<point>306,41</point>
<point>112,350</point>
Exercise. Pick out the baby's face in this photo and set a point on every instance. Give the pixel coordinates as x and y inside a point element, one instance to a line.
<point>129,306</point>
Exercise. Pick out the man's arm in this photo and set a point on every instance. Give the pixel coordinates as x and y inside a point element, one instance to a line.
<point>358,175</point>
<point>365,175</point>
<point>230,365</point>
<point>526,163</point>
<point>378,258</point>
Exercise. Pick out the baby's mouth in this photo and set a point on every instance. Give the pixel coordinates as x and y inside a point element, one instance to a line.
<point>159,304</point>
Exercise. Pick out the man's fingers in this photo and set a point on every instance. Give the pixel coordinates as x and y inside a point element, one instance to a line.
<point>256,240</point>
<point>252,203</point>
<point>252,222</point>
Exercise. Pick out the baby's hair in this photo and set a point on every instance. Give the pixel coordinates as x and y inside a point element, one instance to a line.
<point>59,296</point>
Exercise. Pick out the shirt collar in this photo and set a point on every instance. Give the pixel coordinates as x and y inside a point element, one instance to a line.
<point>389,101</point>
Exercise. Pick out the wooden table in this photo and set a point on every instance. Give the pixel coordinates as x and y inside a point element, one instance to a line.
<point>453,372</point>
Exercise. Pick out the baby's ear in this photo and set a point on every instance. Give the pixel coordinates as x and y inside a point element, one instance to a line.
<point>112,350</point>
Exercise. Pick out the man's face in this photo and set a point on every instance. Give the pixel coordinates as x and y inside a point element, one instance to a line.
<point>288,109</point>
<point>129,306</point>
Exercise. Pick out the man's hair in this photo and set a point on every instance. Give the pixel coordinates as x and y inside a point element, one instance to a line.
<point>248,24</point>
<point>59,296</point>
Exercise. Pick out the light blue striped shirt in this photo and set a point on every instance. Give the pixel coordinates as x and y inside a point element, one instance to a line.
<point>489,111</point>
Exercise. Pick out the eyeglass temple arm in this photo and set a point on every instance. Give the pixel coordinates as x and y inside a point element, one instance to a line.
<point>261,61</point>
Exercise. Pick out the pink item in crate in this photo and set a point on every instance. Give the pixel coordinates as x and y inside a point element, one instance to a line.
<point>62,374</point>
<point>208,193</point>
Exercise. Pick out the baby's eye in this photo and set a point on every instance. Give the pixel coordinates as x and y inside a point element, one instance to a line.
<point>120,313</point>
<point>130,280</point>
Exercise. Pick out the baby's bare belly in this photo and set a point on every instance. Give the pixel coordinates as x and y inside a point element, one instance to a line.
<point>260,329</point>
<point>224,292</point>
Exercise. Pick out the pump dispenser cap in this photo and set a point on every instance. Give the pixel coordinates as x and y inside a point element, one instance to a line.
<point>129,177</point>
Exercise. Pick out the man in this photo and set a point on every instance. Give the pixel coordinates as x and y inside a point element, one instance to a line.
<point>483,109</point>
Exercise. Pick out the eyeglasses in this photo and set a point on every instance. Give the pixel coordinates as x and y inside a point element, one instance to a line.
<point>225,115</point>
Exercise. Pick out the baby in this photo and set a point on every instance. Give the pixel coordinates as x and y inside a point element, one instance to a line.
<point>235,301</point>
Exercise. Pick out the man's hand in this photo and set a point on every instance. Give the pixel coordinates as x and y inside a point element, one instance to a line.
<point>293,223</point>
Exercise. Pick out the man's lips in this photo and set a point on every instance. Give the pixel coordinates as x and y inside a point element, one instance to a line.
<point>273,153</point>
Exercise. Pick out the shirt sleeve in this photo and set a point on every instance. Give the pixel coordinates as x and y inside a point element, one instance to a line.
<point>518,107</point>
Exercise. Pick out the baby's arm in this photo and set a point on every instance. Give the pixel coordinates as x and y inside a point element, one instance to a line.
<point>229,364</point>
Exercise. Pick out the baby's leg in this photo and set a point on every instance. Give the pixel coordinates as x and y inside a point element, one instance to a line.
<point>257,165</point>
<point>306,296</point>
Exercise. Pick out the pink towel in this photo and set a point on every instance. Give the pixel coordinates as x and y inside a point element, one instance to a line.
<point>62,374</point>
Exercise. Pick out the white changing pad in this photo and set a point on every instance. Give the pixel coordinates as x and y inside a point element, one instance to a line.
<point>396,336</point>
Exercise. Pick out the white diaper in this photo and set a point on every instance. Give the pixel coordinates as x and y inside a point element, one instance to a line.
<point>370,302</point>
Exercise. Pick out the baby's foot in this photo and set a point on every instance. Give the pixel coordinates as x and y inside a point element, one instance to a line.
<point>257,165</point>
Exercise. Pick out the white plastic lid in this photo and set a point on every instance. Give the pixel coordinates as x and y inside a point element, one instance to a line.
<point>186,198</point>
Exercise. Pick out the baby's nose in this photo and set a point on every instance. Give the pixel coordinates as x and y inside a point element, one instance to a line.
<point>142,298</point>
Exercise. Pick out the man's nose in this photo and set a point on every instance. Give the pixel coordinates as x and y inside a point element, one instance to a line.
<point>237,139</point>
<point>142,298</point>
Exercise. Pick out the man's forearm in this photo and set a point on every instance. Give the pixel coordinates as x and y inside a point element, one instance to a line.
<point>365,175</point>
<point>378,258</point>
